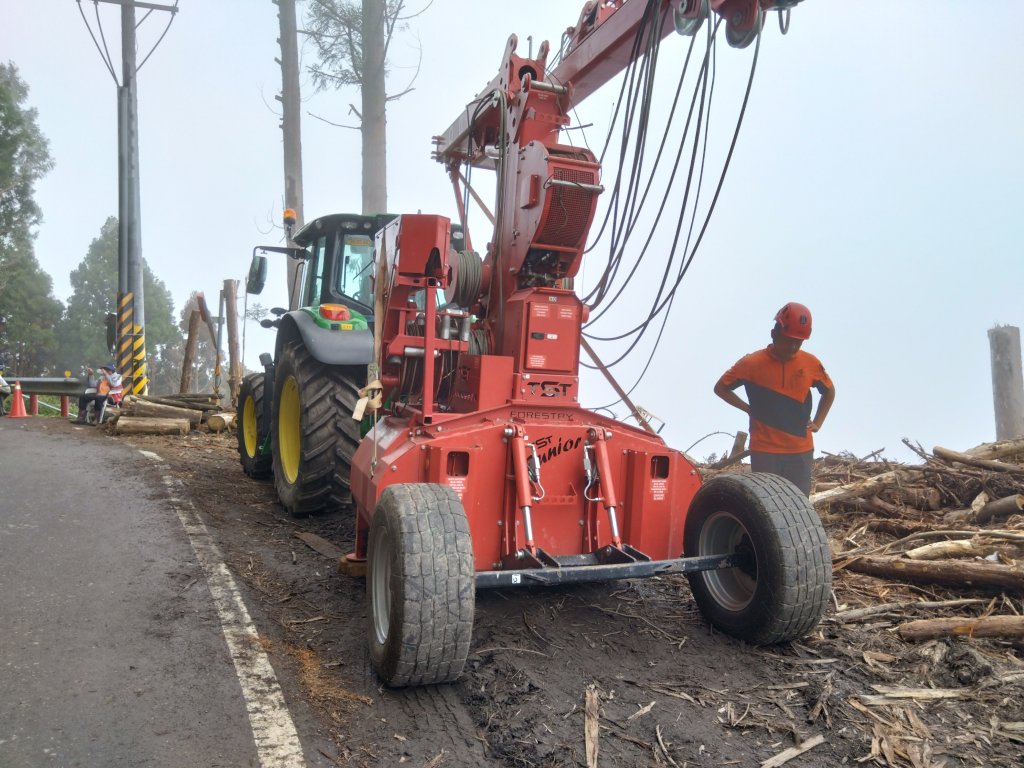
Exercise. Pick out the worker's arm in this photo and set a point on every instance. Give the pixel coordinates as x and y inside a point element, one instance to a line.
<point>824,405</point>
<point>731,397</point>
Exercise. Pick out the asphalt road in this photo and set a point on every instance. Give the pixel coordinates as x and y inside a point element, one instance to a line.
<point>120,640</point>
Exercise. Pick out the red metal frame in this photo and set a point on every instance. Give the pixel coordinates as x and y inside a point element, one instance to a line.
<point>545,483</point>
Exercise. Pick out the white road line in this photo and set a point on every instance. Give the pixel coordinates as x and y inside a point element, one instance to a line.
<point>277,742</point>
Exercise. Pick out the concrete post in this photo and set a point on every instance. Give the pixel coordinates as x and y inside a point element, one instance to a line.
<point>1007,381</point>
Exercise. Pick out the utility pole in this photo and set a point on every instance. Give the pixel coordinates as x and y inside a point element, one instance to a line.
<point>291,128</point>
<point>130,337</point>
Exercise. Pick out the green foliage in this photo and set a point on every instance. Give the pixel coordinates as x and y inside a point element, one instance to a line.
<point>32,313</point>
<point>25,290</point>
<point>82,334</point>
<point>24,159</point>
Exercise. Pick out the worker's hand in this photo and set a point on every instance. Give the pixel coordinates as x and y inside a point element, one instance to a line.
<point>813,426</point>
<point>89,371</point>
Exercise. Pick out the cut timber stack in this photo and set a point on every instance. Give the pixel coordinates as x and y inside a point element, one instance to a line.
<point>952,525</point>
<point>164,414</point>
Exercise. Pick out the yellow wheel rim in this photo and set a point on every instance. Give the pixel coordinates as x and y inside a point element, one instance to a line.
<point>289,429</point>
<point>250,433</point>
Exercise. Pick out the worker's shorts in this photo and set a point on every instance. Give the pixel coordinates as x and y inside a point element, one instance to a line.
<point>795,467</point>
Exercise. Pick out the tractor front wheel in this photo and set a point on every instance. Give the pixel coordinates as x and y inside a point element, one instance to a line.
<point>782,588</point>
<point>250,429</point>
<point>420,585</point>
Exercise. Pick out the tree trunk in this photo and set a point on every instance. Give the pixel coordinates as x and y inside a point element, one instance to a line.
<point>989,626</point>
<point>190,352</point>
<point>291,128</point>
<point>954,573</point>
<point>129,425</point>
<point>374,106</point>
<point>1007,381</point>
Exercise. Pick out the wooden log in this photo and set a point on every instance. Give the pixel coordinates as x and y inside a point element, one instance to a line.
<point>870,486</point>
<point>897,528</point>
<point>234,350</point>
<point>129,425</point>
<point>955,573</point>
<point>938,550</point>
<point>198,406</point>
<point>144,409</point>
<point>208,319</point>
<point>191,343</point>
<point>988,626</point>
<point>218,422</point>
<point>997,450</point>
<point>871,611</point>
<point>1009,505</point>
<point>996,466</point>
<point>916,496</point>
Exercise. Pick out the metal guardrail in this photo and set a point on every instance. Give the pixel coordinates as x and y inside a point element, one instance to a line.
<point>49,385</point>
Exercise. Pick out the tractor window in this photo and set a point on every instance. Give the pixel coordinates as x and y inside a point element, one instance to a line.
<point>356,273</point>
<point>315,273</point>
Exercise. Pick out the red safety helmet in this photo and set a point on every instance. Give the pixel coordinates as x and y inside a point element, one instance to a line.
<point>794,321</point>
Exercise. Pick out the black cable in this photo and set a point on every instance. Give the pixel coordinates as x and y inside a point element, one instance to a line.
<point>669,298</point>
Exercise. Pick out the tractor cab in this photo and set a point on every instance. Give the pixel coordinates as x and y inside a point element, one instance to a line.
<point>335,254</point>
<point>338,260</point>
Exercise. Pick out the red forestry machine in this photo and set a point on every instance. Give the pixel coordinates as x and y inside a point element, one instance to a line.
<point>482,469</point>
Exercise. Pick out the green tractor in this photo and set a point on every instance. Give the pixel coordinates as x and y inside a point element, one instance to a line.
<point>295,419</point>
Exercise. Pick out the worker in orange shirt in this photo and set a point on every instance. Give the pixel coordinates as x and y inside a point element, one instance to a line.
<point>778,381</point>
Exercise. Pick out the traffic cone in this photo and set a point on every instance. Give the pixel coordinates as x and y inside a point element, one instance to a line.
<point>17,404</point>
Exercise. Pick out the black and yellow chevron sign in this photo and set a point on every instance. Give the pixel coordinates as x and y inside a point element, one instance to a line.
<point>131,347</point>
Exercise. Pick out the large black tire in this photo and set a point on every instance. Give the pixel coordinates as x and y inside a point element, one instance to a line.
<point>782,593</point>
<point>251,430</point>
<point>314,434</point>
<point>420,585</point>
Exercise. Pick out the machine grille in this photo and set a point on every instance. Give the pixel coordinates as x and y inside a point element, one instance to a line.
<point>568,210</point>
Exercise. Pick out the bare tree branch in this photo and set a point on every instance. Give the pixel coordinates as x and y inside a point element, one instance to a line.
<point>329,122</point>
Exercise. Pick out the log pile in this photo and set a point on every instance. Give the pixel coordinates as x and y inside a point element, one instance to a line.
<point>922,654</point>
<point>164,414</point>
<point>953,522</point>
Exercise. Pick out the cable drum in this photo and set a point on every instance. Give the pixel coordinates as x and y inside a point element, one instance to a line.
<point>468,278</point>
<point>478,342</point>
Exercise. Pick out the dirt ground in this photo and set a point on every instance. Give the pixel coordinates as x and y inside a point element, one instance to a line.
<point>672,692</point>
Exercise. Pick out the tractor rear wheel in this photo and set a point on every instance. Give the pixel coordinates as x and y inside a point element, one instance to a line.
<point>314,434</point>
<point>251,430</point>
<point>780,593</point>
<point>420,585</point>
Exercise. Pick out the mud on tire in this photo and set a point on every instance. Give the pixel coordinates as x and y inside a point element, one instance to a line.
<point>781,593</point>
<point>250,429</point>
<point>315,435</point>
<point>420,585</point>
